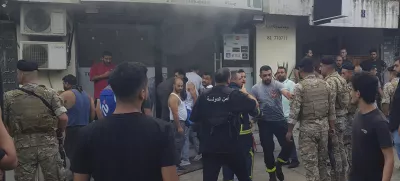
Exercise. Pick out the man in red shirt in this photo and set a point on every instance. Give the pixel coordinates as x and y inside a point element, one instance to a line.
<point>99,73</point>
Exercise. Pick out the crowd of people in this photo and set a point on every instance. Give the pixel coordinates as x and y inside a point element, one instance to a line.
<point>347,122</point>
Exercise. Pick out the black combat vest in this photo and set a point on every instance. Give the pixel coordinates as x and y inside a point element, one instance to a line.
<point>224,125</point>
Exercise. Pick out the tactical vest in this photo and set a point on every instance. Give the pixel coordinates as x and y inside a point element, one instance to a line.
<point>352,108</point>
<point>224,124</point>
<point>29,115</point>
<point>342,95</point>
<point>315,100</point>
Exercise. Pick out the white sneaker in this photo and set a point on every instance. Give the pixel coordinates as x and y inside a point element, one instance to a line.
<point>198,157</point>
<point>184,163</point>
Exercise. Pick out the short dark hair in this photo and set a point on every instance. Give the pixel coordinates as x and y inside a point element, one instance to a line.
<point>70,79</point>
<point>343,49</point>
<point>367,85</point>
<point>127,79</point>
<point>373,50</point>
<point>234,75</point>
<point>194,68</point>
<point>265,68</point>
<point>222,75</point>
<point>207,73</point>
<point>307,65</point>
<point>107,53</point>
<point>180,71</point>
<point>367,65</point>
<point>282,67</point>
<point>396,59</point>
<point>241,71</point>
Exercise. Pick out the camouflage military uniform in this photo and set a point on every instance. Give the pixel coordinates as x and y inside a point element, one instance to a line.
<point>389,90</point>
<point>312,105</point>
<point>33,127</point>
<point>347,132</point>
<point>342,97</point>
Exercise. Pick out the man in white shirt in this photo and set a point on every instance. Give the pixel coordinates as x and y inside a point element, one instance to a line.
<point>281,76</point>
<point>193,76</point>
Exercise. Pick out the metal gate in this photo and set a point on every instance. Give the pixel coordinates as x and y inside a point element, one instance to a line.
<point>8,60</point>
<point>8,55</point>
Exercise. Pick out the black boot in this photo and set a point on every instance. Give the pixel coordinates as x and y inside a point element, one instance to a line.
<point>279,172</point>
<point>294,164</point>
<point>272,176</point>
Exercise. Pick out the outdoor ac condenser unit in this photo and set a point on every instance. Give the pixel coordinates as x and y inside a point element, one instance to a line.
<point>48,55</point>
<point>43,20</point>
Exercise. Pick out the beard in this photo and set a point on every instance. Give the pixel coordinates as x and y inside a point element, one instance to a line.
<point>267,82</point>
<point>281,78</point>
<point>178,90</point>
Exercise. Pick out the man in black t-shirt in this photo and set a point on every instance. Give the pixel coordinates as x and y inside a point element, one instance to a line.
<point>372,148</point>
<point>379,64</point>
<point>127,145</point>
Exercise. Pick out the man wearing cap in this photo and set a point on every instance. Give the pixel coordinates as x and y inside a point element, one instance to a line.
<point>370,67</point>
<point>347,73</point>
<point>32,114</point>
<point>342,98</point>
<point>315,121</point>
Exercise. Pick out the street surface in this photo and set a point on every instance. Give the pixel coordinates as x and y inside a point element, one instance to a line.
<point>259,173</point>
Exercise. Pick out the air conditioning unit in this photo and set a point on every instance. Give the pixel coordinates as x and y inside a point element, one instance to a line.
<point>43,20</point>
<point>48,55</point>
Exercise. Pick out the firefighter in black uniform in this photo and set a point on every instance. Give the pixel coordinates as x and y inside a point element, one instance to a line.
<point>245,134</point>
<point>218,110</point>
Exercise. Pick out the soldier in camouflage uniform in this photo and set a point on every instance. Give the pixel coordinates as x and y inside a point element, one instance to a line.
<point>342,99</point>
<point>389,90</point>
<point>33,125</point>
<point>347,74</point>
<point>313,106</point>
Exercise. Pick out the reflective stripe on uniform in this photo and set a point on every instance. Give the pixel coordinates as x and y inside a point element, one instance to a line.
<point>271,170</point>
<point>280,160</point>
<point>244,132</point>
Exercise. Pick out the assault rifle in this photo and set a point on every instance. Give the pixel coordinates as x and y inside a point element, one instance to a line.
<point>60,139</point>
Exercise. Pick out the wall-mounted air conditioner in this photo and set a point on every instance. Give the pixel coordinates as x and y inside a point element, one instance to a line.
<point>43,20</point>
<point>48,55</point>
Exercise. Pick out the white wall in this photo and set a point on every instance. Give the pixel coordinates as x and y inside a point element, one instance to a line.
<point>273,51</point>
<point>288,7</point>
<point>52,78</point>
<point>378,14</point>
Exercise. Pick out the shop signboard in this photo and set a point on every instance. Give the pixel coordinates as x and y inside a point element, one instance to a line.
<point>238,4</point>
<point>236,47</point>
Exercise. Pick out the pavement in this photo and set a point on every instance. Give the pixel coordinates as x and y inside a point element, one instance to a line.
<point>259,173</point>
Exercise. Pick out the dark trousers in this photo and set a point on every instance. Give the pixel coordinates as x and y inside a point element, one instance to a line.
<point>267,130</point>
<point>212,163</point>
<point>248,154</point>
<point>293,155</point>
<point>179,140</point>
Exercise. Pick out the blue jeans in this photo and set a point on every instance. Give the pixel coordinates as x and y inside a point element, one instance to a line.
<point>186,144</point>
<point>396,140</point>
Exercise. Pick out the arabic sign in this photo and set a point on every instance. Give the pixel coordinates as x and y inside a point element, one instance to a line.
<point>239,4</point>
<point>236,47</point>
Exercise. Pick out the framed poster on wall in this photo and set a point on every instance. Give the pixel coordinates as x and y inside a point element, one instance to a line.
<point>236,47</point>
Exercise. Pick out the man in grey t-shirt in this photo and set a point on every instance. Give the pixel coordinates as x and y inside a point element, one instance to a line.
<point>269,93</point>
